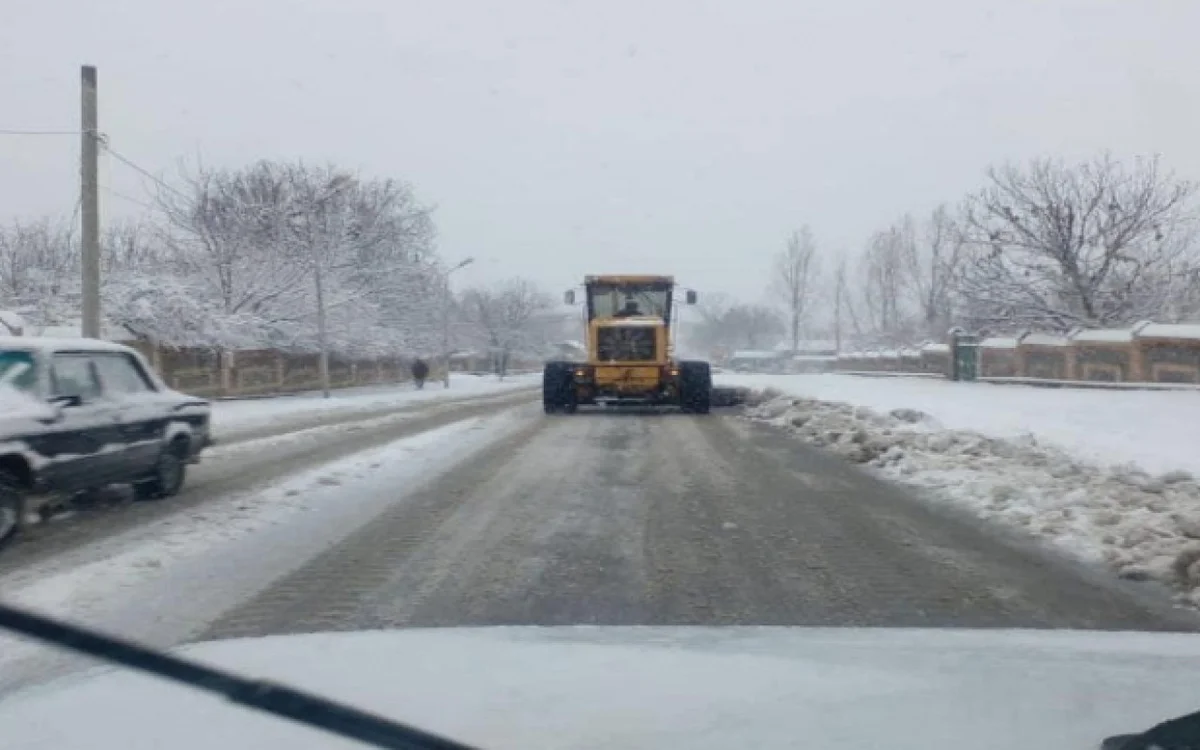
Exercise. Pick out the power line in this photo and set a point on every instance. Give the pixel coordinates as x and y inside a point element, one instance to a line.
<point>40,132</point>
<point>122,196</point>
<point>140,170</point>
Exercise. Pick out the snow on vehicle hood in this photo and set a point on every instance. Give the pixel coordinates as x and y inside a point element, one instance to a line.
<point>694,688</point>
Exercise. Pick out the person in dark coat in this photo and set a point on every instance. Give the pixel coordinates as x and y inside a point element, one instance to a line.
<point>420,371</point>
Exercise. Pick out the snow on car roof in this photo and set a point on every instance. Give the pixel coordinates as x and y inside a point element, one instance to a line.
<point>1170,331</point>
<point>45,343</point>
<point>935,347</point>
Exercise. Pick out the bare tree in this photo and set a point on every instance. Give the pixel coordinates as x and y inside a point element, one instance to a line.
<point>509,318</point>
<point>932,263</point>
<point>841,302</point>
<point>1055,246</point>
<point>794,278</point>
<point>885,283</point>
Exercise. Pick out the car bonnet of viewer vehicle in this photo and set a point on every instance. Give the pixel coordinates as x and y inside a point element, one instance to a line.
<point>640,687</point>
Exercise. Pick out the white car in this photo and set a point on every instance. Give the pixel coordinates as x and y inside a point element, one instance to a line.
<point>79,414</point>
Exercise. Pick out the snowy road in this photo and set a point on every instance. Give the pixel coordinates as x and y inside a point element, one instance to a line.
<point>487,512</point>
<point>637,519</point>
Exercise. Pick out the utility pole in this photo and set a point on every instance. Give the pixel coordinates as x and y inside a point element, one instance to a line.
<point>322,340</point>
<point>90,204</point>
<point>446,321</point>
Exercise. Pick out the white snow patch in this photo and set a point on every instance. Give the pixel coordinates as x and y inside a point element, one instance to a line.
<point>998,343</point>
<point>11,324</point>
<point>1104,335</point>
<point>1043,339</point>
<point>1157,431</point>
<point>1170,331</point>
<point>17,404</point>
<point>235,416</point>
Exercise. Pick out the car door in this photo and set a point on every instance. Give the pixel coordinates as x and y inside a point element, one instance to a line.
<point>84,445</point>
<point>140,415</point>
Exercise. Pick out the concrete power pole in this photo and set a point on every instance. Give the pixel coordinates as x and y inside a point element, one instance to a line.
<point>446,299</point>
<point>90,205</point>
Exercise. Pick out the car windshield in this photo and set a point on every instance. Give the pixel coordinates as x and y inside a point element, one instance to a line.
<point>595,373</point>
<point>17,369</point>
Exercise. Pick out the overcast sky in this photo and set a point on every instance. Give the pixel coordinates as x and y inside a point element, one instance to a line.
<point>573,137</point>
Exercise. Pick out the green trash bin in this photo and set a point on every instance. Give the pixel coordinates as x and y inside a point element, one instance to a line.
<point>964,356</point>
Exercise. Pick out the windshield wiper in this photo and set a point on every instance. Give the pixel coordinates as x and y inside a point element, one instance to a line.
<point>279,700</point>
<point>1177,734</point>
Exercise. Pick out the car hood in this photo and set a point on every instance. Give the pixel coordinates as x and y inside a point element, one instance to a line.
<point>695,688</point>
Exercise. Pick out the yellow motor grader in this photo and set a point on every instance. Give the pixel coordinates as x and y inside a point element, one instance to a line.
<point>630,351</point>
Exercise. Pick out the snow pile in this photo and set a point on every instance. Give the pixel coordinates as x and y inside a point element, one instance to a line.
<point>1145,527</point>
<point>1156,430</point>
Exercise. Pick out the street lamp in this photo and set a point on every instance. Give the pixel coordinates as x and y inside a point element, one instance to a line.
<point>446,320</point>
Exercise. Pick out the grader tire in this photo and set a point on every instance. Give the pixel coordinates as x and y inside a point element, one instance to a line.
<point>558,392</point>
<point>695,387</point>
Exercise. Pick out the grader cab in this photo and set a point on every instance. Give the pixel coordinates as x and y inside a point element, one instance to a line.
<point>630,351</point>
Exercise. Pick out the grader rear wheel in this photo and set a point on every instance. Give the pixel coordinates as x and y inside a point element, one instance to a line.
<point>558,388</point>
<point>695,387</point>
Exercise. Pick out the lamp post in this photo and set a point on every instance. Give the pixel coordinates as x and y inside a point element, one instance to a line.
<point>446,320</point>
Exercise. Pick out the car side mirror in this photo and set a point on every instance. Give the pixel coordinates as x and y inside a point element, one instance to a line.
<point>73,399</point>
<point>691,297</point>
<point>569,297</point>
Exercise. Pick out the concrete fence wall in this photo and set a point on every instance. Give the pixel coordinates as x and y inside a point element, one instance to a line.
<point>1145,353</point>
<point>254,372</point>
<point>212,373</point>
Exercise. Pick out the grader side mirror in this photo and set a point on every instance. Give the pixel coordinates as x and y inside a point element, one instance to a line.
<point>691,297</point>
<point>569,297</point>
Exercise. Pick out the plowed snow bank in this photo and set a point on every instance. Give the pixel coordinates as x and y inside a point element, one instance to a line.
<point>1143,526</point>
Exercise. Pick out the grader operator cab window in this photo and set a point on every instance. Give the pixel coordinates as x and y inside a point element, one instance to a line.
<point>625,300</point>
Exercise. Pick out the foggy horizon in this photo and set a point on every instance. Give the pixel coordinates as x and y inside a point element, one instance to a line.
<point>558,139</point>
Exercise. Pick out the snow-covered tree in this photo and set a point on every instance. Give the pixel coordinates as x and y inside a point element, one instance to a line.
<point>296,255</point>
<point>39,270</point>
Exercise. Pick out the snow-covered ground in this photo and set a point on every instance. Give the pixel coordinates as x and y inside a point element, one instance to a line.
<point>1159,431</point>
<point>189,567</point>
<point>1106,476</point>
<point>238,416</point>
